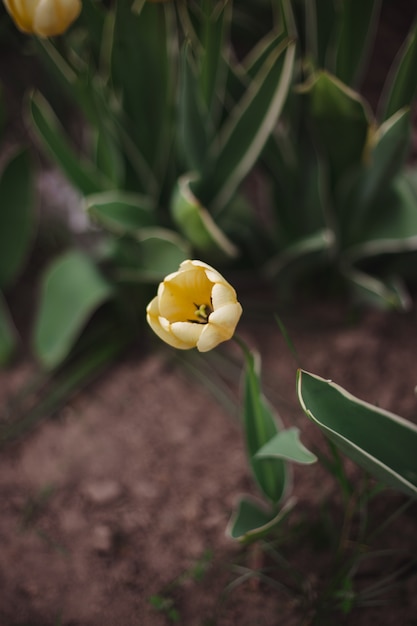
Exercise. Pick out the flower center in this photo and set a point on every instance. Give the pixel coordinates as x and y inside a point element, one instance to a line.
<point>202,312</point>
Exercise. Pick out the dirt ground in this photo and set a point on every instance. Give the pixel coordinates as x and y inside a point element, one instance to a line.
<point>130,488</point>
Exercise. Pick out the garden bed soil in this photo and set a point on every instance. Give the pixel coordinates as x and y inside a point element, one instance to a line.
<point>117,499</point>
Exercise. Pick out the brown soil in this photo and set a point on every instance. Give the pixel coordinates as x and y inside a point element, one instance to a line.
<point>133,484</point>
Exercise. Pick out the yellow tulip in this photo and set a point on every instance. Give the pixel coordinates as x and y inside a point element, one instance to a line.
<point>45,18</point>
<point>195,307</point>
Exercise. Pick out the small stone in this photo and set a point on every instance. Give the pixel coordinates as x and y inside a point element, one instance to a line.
<point>102,539</point>
<point>103,492</point>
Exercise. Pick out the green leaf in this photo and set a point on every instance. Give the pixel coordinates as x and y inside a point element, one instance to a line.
<point>196,223</point>
<point>358,25</point>
<point>321,21</point>
<point>394,228</point>
<point>287,445</point>
<point>108,156</point>
<point>216,25</point>
<point>120,212</point>
<point>340,117</point>
<point>72,289</point>
<point>401,85</point>
<point>193,117</point>
<point>253,521</point>
<point>143,69</point>
<point>379,441</point>
<point>247,129</point>
<point>161,252</point>
<point>16,215</point>
<point>261,426</point>
<point>8,335</point>
<point>79,171</point>
<point>149,256</point>
<point>362,198</point>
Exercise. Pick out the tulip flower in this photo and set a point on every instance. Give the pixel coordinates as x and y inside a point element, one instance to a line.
<point>195,307</point>
<point>45,18</point>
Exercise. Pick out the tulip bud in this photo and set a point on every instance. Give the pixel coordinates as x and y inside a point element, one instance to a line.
<point>45,18</point>
<point>195,307</point>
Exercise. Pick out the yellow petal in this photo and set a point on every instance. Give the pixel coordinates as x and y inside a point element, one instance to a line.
<point>226,319</point>
<point>44,18</point>
<point>53,17</point>
<point>187,332</point>
<point>210,337</point>
<point>222,294</point>
<point>161,326</point>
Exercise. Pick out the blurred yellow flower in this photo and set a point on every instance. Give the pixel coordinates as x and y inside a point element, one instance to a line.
<point>195,308</point>
<point>45,18</point>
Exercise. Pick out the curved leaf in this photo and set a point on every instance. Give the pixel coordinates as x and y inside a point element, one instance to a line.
<point>196,223</point>
<point>401,85</point>
<point>340,117</point>
<point>381,442</point>
<point>72,289</point>
<point>248,127</point>
<point>287,445</point>
<point>252,521</point>
<point>120,212</point>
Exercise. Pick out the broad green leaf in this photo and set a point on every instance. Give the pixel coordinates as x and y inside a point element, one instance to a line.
<point>261,426</point>
<point>341,121</point>
<point>161,252</point>
<point>120,212</point>
<point>193,117</point>
<point>300,179</point>
<point>359,19</point>
<point>401,86</point>
<point>287,445</point>
<point>72,289</point>
<point>216,25</point>
<point>16,215</point>
<point>196,223</point>
<point>381,442</point>
<point>362,198</point>
<point>79,171</point>
<point>322,20</point>
<point>394,227</point>
<point>143,68</point>
<point>148,257</point>
<point>108,156</point>
<point>161,255</point>
<point>252,521</point>
<point>247,129</point>
<point>8,335</point>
